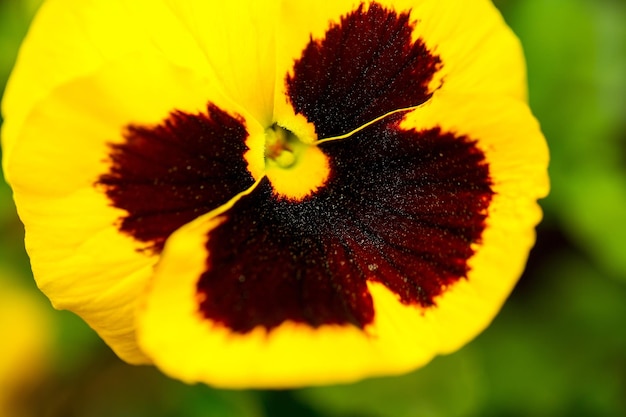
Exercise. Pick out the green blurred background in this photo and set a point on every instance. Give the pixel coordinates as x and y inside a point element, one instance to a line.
<point>558,348</point>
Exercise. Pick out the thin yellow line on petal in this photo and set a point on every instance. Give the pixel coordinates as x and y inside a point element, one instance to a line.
<point>226,206</point>
<point>358,129</point>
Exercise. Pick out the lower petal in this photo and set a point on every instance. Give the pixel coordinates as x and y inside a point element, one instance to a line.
<point>186,345</point>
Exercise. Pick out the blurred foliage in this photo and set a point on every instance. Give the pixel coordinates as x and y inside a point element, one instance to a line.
<point>558,348</point>
<point>576,52</point>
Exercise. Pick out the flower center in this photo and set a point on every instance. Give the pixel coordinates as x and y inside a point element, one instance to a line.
<point>294,165</point>
<point>281,147</point>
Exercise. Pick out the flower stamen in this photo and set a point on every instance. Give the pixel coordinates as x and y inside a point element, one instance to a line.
<point>280,146</point>
<point>295,166</point>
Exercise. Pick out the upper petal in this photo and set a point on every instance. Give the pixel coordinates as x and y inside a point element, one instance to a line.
<point>237,39</point>
<point>74,38</point>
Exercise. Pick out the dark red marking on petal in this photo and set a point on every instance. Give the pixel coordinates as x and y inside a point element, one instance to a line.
<point>400,207</point>
<point>266,266</point>
<point>169,174</point>
<point>365,66</point>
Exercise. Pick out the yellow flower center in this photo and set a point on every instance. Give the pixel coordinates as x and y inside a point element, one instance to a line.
<point>295,166</point>
<point>281,146</point>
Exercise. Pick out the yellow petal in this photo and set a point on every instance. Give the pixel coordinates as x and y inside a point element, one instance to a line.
<point>80,258</point>
<point>187,346</point>
<point>71,39</point>
<point>237,39</point>
<point>517,156</point>
<point>478,53</point>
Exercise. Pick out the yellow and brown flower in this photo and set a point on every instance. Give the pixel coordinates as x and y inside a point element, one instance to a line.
<point>275,193</point>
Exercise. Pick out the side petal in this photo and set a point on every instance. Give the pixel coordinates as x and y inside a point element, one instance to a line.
<point>479,52</point>
<point>344,64</point>
<point>517,156</point>
<point>365,66</point>
<point>69,185</point>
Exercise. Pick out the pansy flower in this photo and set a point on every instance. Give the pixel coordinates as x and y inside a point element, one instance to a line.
<point>275,193</point>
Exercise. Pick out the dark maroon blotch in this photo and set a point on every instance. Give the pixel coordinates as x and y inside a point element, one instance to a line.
<point>366,66</point>
<point>401,208</point>
<point>169,174</point>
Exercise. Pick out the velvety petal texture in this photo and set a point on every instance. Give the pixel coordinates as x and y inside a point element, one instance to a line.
<point>275,193</point>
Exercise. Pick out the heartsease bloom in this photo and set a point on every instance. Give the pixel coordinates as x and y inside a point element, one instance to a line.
<point>275,193</point>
